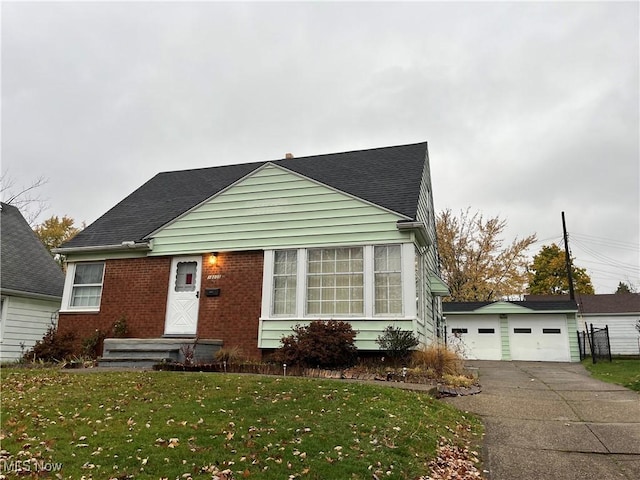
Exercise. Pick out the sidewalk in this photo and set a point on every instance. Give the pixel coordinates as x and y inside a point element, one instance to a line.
<point>553,421</point>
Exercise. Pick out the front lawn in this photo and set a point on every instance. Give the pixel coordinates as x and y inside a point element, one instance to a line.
<point>194,425</point>
<point>623,371</point>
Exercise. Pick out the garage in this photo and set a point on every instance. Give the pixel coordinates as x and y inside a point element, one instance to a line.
<point>529,331</point>
<point>476,338</point>
<point>539,338</point>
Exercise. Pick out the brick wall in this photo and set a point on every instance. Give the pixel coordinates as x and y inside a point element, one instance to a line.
<point>137,290</point>
<point>233,316</point>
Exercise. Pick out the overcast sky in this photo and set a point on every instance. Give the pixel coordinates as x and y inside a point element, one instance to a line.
<point>530,109</point>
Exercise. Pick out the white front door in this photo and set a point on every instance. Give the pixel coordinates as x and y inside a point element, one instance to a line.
<point>183,297</point>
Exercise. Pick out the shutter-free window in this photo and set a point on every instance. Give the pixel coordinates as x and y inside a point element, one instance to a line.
<point>388,279</point>
<point>87,285</point>
<point>284,282</point>
<point>335,281</point>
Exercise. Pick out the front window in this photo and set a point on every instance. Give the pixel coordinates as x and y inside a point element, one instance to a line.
<point>388,280</point>
<point>284,282</point>
<point>87,285</point>
<point>367,281</point>
<point>335,281</point>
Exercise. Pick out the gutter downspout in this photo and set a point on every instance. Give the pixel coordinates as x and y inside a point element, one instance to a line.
<point>418,228</point>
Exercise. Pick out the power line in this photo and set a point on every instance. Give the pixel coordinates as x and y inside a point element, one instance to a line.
<point>608,242</point>
<point>603,258</point>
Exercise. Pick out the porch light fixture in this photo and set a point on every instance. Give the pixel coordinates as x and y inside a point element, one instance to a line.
<point>213,258</point>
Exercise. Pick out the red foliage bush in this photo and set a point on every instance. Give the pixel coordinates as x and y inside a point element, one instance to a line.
<point>323,344</point>
<point>54,347</point>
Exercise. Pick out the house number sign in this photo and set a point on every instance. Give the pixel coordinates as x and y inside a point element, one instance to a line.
<point>214,277</point>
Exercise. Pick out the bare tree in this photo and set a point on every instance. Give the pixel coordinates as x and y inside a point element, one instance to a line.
<point>24,197</point>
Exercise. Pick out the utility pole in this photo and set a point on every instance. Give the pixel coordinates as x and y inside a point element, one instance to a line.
<point>572,294</point>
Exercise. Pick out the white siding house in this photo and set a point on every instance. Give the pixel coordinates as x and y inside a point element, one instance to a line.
<point>30,286</point>
<point>619,311</point>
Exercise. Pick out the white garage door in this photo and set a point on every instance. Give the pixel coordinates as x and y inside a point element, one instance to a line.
<point>477,337</point>
<point>539,338</point>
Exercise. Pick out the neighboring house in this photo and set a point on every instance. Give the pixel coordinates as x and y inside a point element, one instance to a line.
<point>530,331</point>
<point>30,285</point>
<point>619,311</point>
<point>242,253</point>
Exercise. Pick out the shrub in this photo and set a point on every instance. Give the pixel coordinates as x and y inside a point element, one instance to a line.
<point>439,359</point>
<point>229,355</point>
<point>397,343</point>
<point>92,345</point>
<point>54,346</point>
<point>189,352</point>
<point>120,328</point>
<point>323,344</point>
<point>458,380</point>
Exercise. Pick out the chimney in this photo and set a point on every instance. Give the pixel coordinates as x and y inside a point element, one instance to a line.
<point>288,155</point>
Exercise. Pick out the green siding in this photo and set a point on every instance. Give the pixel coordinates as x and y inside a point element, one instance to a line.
<point>572,329</point>
<point>271,331</point>
<point>502,308</point>
<point>429,258</point>
<point>504,334</point>
<point>274,208</point>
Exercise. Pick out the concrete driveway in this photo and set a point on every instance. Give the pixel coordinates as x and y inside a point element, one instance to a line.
<point>552,421</point>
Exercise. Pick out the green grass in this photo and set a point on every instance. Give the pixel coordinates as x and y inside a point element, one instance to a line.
<point>623,371</point>
<point>168,424</point>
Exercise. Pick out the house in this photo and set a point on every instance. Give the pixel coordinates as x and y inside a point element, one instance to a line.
<point>530,331</point>
<point>30,285</point>
<point>619,311</point>
<point>237,255</point>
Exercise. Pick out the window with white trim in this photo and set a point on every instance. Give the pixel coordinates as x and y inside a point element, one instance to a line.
<point>388,279</point>
<point>335,281</point>
<point>285,266</point>
<point>340,282</point>
<point>87,285</point>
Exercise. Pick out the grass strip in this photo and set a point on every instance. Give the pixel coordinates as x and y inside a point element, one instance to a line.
<point>622,371</point>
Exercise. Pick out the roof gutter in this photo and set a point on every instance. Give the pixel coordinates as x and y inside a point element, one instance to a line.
<point>418,228</point>
<point>118,247</point>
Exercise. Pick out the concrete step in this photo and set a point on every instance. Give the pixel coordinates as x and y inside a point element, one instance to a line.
<point>129,362</point>
<point>145,352</point>
<point>173,353</point>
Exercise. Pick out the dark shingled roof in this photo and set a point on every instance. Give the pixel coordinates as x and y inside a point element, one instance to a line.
<point>557,305</point>
<point>603,303</point>
<point>26,265</point>
<point>389,177</point>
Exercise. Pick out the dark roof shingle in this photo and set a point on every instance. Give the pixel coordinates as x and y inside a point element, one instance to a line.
<point>26,265</point>
<point>598,303</point>
<point>389,177</point>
